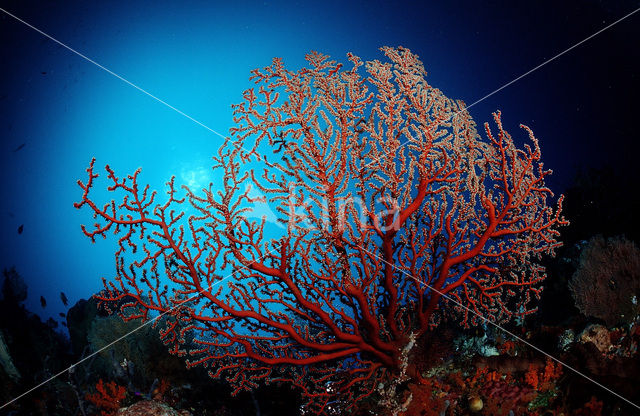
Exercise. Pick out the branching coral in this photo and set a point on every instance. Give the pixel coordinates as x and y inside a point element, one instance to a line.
<point>387,201</point>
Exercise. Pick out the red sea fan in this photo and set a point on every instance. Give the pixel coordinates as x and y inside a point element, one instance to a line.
<point>384,199</point>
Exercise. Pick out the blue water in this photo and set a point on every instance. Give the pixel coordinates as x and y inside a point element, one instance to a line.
<point>197,57</point>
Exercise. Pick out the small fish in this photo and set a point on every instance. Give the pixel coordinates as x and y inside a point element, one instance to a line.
<point>19,147</point>
<point>64,299</point>
<point>21,228</point>
<point>62,315</point>
<point>43,302</point>
<point>44,72</point>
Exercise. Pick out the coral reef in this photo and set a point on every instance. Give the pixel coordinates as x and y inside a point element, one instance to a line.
<point>360,257</point>
<point>607,283</point>
<point>107,397</point>
<point>151,408</point>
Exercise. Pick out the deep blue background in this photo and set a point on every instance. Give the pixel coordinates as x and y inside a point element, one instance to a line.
<point>197,56</point>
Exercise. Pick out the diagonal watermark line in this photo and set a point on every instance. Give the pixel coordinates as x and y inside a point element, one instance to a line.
<point>552,58</point>
<point>437,291</point>
<point>72,366</point>
<point>519,78</point>
<point>113,73</point>
<point>506,331</point>
<point>174,307</point>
